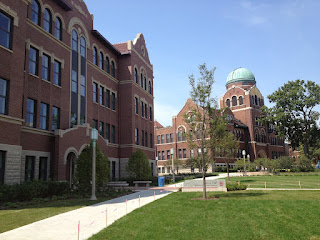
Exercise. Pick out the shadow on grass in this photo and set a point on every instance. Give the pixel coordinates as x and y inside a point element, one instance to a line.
<point>242,194</point>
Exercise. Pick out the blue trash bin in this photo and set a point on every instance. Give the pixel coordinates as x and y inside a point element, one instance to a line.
<point>161,181</point>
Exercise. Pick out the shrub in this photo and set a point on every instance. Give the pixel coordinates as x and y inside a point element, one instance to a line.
<point>304,164</point>
<point>138,166</point>
<point>83,174</point>
<point>233,186</point>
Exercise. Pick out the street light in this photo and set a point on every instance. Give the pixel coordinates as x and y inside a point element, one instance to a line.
<point>244,161</point>
<point>94,138</point>
<point>172,151</point>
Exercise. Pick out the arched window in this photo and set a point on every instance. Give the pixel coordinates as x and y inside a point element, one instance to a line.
<point>35,12</point>
<point>234,101</point>
<point>95,56</point>
<point>240,100</point>
<point>58,29</point>
<point>101,61</point>
<point>259,102</point>
<point>228,102</point>
<point>252,99</point>
<point>47,21</point>
<point>74,41</point>
<point>107,65</point>
<point>256,100</point>
<point>145,83</point>
<point>83,47</point>
<point>136,75</point>
<point>141,80</point>
<point>150,87</point>
<point>113,69</point>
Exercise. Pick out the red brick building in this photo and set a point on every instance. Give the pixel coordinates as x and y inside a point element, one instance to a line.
<point>59,77</point>
<point>244,101</point>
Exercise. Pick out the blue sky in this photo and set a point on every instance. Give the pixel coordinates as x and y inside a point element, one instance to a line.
<point>278,40</point>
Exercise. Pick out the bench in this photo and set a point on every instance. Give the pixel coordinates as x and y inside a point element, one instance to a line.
<point>118,184</point>
<point>145,183</point>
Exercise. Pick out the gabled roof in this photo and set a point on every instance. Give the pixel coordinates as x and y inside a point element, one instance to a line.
<point>157,124</point>
<point>121,47</point>
<point>105,42</point>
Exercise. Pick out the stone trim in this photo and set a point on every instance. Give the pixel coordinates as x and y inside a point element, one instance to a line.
<point>10,12</point>
<point>37,131</point>
<point>9,119</point>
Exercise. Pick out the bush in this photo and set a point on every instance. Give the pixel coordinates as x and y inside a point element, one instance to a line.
<point>83,174</point>
<point>138,166</point>
<point>233,186</point>
<point>304,164</point>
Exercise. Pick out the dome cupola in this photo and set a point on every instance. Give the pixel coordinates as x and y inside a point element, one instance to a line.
<point>241,75</point>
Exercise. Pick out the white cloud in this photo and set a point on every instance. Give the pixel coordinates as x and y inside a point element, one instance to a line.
<point>163,113</point>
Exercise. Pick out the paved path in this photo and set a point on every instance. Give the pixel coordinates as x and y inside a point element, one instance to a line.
<point>92,219</point>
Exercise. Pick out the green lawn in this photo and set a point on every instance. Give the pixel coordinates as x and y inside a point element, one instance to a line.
<point>14,218</point>
<point>307,181</point>
<point>235,215</point>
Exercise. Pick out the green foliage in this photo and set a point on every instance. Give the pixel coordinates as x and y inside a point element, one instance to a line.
<point>224,169</point>
<point>83,174</point>
<point>138,166</point>
<point>234,186</point>
<point>32,190</point>
<point>285,162</point>
<point>271,164</point>
<point>304,164</point>
<point>293,113</point>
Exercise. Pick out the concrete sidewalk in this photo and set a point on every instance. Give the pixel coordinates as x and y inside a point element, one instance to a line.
<point>92,219</point>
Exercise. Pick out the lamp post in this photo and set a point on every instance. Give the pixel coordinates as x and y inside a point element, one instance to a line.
<point>173,179</point>
<point>94,138</point>
<point>244,162</point>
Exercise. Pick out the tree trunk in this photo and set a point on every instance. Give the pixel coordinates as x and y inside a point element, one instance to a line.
<point>228,171</point>
<point>204,184</point>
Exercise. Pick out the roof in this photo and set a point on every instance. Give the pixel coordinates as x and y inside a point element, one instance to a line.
<point>240,75</point>
<point>121,47</point>
<point>157,124</point>
<point>64,5</point>
<point>105,42</point>
<point>238,123</point>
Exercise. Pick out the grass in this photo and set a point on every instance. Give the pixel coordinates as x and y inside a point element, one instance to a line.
<point>235,215</point>
<point>30,212</point>
<point>307,181</point>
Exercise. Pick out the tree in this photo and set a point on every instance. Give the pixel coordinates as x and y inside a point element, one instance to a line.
<point>285,162</point>
<point>304,164</point>
<point>138,166</point>
<point>176,163</point>
<point>293,114</point>
<point>83,173</point>
<point>271,164</point>
<point>198,120</point>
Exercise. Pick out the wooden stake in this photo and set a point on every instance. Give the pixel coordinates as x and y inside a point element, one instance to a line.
<point>139,200</point>
<point>265,184</point>
<point>154,195</point>
<point>106,217</point>
<point>300,185</point>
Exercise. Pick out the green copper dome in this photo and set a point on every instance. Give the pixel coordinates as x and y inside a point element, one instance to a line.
<point>240,75</point>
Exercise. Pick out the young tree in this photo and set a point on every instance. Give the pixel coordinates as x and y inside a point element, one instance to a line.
<point>285,162</point>
<point>198,120</point>
<point>138,166</point>
<point>293,113</point>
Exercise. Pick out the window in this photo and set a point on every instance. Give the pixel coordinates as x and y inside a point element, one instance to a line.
<point>101,129</point>
<point>101,61</point>
<point>107,65</point>
<point>3,96</point>
<point>135,76</point>
<point>55,118</point>
<point>57,73</point>
<point>33,61</point>
<point>234,101</point>
<point>146,139</point>
<point>101,95</point>
<point>108,131</point>
<point>191,153</point>
<point>31,113</point>
<point>150,113</point>
<point>47,21</point>
<point>136,136</point>
<point>113,101</point>
<point>142,138</point>
<point>75,41</point>
<point>142,109</point>
<point>113,134</point>
<point>113,70</point>
<point>162,138</point>
<point>150,87</point>
<point>44,116</point>
<point>95,56</point>
<point>145,83</point>
<point>145,111</point>
<point>184,153</point>
<point>136,105</point>
<point>108,104</point>
<point>141,80</point>
<point>255,99</point>
<point>228,102</point>
<point>168,154</point>
<point>171,137</point>
<point>259,101</point>
<point>2,166</point>
<point>151,140</point>
<point>95,124</point>
<point>43,162</point>
<point>35,12</point>
<point>83,49</point>
<point>29,168</point>
<point>240,100</point>
<point>46,67</point>
<point>179,136</point>
<point>159,155</point>
<point>58,29</point>
<point>95,92</point>
<point>167,138</point>
<point>158,139</point>
<point>180,153</point>
<point>163,156</point>
<point>5,31</point>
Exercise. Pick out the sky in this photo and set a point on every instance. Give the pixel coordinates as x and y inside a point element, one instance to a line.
<point>277,40</point>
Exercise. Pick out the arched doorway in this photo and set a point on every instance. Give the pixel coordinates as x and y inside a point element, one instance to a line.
<point>262,154</point>
<point>70,169</point>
